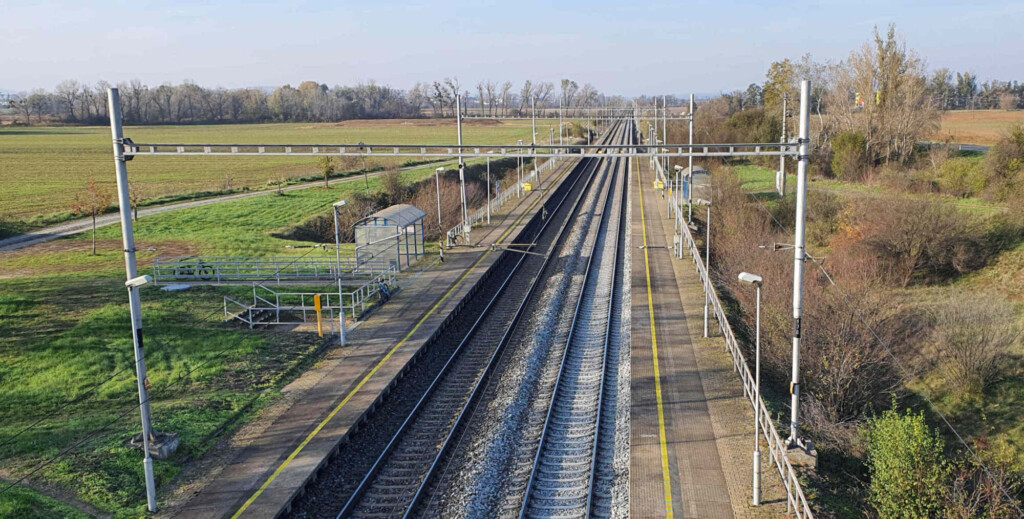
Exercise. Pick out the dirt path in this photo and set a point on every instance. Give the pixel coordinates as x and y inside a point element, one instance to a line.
<point>76,226</point>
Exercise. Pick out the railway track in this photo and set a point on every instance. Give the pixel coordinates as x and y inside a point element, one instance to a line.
<point>488,473</point>
<point>562,480</point>
<point>394,482</point>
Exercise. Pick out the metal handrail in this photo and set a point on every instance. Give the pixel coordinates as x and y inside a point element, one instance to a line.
<point>221,269</point>
<point>480,214</point>
<point>796,502</point>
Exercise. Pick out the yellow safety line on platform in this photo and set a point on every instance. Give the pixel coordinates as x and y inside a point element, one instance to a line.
<point>387,356</point>
<point>665,473</point>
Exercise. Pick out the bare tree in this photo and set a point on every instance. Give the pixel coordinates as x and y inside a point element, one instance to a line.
<point>480,95</point>
<point>543,92</point>
<point>68,93</point>
<point>506,87</point>
<point>491,88</point>
<point>569,89</point>
<point>898,109</point>
<point>974,334</point>
<point>92,201</point>
<point>524,96</point>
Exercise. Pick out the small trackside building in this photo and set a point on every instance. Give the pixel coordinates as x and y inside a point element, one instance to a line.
<point>394,235</point>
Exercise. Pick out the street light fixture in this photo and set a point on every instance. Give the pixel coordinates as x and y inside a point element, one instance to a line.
<point>755,280</point>
<point>337,253</point>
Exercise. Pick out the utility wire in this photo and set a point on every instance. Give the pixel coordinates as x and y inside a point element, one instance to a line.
<point>904,371</point>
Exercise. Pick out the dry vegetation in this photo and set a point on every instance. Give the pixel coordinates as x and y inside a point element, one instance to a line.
<point>984,127</point>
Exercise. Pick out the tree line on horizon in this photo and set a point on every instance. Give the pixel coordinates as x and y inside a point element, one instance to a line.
<point>73,102</point>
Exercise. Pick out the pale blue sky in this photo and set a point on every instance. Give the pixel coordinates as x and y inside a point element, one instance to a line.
<point>620,47</point>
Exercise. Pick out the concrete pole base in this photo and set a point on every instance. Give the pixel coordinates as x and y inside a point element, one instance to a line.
<point>801,454</point>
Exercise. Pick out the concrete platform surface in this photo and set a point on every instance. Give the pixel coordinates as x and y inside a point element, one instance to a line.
<point>692,429</point>
<point>262,475</point>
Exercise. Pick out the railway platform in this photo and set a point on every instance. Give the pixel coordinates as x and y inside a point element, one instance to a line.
<point>261,475</point>
<point>691,426</point>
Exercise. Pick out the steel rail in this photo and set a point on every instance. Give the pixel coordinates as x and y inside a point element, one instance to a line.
<point>589,283</point>
<point>364,485</point>
<point>463,415</point>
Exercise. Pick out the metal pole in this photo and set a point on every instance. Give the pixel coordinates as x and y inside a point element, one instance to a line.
<point>488,191</point>
<point>135,304</point>
<point>337,253</point>
<point>798,261</point>
<point>689,183</point>
<point>560,123</point>
<point>707,266</point>
<point>664,130</point>
<point>782,156</point>
<point>462,172</point>
<point>437,181</point>
<point>757,400</point>
<point>533,112</point>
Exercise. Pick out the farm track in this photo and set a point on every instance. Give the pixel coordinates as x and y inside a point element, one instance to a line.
<point>53,232</point>
<point>387,458</point>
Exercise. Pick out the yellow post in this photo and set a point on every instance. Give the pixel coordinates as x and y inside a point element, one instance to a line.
<point>319,321</point>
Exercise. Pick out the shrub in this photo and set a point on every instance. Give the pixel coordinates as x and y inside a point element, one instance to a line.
<point>908,238</point>
<point>823,215</point>
<point>849,160</point>
<point>1005,161</point>
<point>845,368</point>
<point>962,177</point>
<point>974,334</point>
<point>980,485</point>
<point>395,188</point>
<point>906,465</point>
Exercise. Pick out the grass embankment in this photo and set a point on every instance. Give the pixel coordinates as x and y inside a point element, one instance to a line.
<point>994,416</point>
<point>64,318</point>
<point>42,168</point>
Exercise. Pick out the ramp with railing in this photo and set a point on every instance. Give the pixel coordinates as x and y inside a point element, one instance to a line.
<point>238,269</point>
<point>275,307</point>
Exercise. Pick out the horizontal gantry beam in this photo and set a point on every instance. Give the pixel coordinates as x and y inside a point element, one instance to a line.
<point>435,150</point>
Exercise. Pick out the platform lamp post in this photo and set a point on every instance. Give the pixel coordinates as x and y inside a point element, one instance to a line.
<point>689,191</point>
<point>707,257</point>
<point>755,280</point>
<point>533,114</point>
<point>337,252</point>
<point>489,186</point>
<point>362,156</point>
<point>134,281</point>
<point>519,188</point>
<point>462,168</point>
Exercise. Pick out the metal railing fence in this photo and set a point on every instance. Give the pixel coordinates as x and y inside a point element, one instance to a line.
<point>796,502</point>
<point>220,269</point>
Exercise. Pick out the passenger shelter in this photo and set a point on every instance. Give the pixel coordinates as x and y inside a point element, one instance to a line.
<point>700,180</point>
<point>394,235</point>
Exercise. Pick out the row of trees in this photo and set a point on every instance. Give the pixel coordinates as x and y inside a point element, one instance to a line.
<point>75,102</point>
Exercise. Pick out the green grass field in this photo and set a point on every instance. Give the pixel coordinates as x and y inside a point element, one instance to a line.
<point>41,168</point>
<point>64,319</point>
<point>67,330</point>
